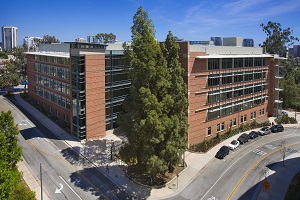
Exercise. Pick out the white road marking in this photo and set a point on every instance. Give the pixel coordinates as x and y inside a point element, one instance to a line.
<point>269,146</point>
<point>70,187</point>
<point>60,189</point>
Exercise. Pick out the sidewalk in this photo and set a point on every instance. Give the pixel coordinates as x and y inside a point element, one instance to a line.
<point>95,152</point>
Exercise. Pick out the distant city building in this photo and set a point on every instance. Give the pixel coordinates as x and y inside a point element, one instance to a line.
<point>30,43</point>
<point>248,42</point>
<point>296,51</point>
<point>9,37</point>
<point>217,41</point>
<point>201,42</point>
<point>0,46</point>
<point>233,41</point>
<point>291,51</point>
<point>80,40</point>
<point>92,39</point>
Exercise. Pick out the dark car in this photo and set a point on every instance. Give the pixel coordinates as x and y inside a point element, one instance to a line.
<point>223,151</point>
<point>253,134</point>
<point>243,138</point>
<point>277,128</point>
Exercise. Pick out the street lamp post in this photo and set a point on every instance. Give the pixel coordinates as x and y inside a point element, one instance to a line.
<point>41,181</point>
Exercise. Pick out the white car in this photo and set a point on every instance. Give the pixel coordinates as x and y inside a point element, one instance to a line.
<point>234,144</point>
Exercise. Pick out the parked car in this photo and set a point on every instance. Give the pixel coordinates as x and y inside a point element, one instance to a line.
<point>264,131</point>
<point>243,138</point>
<point>253,134</point>
<point>233,144</point>
<point>277,128</point>
<point>223,151</point>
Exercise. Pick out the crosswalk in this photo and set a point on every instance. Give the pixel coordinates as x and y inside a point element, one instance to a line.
<point>259,152</point>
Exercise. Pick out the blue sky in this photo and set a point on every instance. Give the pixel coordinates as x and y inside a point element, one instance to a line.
<point>191,20</point>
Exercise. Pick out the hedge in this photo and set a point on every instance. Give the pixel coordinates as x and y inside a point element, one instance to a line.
<point>208,144</point>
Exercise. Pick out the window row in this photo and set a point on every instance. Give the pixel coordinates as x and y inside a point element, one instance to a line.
<point>52,59</point>
<point>232,122</point>
<point>53,97</point>
<point>229,63</point>
<point>226,94</point>
<point>58,72</point>
<point>53,84</point>
<point>216,80</point>
<point>229,108</point>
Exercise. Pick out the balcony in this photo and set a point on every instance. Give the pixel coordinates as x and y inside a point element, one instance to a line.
<point>279,77</point>
<point>278,89</point>
<point>278,101</point>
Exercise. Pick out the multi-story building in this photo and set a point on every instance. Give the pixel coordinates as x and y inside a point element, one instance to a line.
<point>30,43</point>
<point>9,37</point>
<point>248,42</point>
<point>227,87</point>
<point>85,85</point>
<point>296,51</point>
<point>232,41</point>
<point>80,40</point>
<point>217,41</point>
<point>92,39</point>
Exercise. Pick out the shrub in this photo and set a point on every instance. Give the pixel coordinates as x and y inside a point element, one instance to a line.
<point>208,144</point>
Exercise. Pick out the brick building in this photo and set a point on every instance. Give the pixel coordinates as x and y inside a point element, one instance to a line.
<point>85,85</point>
<point>227,86</point>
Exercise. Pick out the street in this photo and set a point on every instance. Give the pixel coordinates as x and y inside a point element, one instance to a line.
<point>62,178</point>
<point>237,176</point>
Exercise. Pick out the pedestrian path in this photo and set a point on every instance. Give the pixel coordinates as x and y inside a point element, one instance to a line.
<point>94,151</point>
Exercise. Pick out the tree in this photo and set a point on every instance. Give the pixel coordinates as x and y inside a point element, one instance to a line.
<point>19,61</point>
<point>146,121</point>
<point>278,39</point>
<point>3,55</point>
<point>10,154</point>
<point>176,136</point>
<point>290,91</point>
<point>106,37</point>
<point>47,39</point>
<point>9,75</point>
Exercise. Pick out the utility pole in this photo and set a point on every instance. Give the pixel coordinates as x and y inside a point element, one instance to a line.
<point>41,181</point>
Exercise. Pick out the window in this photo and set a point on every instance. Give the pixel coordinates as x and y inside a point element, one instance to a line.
<point>218,128</point>
<point>226,63</point>
<point>248,62</point>
<point>261,112</point>
<point>238,62</point>
<point>213,63</point>
<point>243,118</point>
<point>233,122</point>
<point>209,131</point>
<point>254,114</point>
<point>222,126</point>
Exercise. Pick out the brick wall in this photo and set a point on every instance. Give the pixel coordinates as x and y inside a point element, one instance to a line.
<point>95,96</point>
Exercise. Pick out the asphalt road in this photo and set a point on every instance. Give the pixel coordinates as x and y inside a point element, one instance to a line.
<point>62,179</point>
<point>238,176</point>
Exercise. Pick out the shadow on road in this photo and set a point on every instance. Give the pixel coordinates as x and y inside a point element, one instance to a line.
<point>276,169</point>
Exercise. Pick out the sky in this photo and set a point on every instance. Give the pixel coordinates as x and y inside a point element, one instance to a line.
<point>191,19</point>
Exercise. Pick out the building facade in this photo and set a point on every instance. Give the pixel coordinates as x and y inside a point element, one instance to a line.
<point>68,80</point>
<point>233,41</point>
<point>86,84</point>
<point>227,87</point>
<point>9,37</point>
<point>80,40</point>
<point>248,42</point>
<point>217,41</point>
<point>30,43</point>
